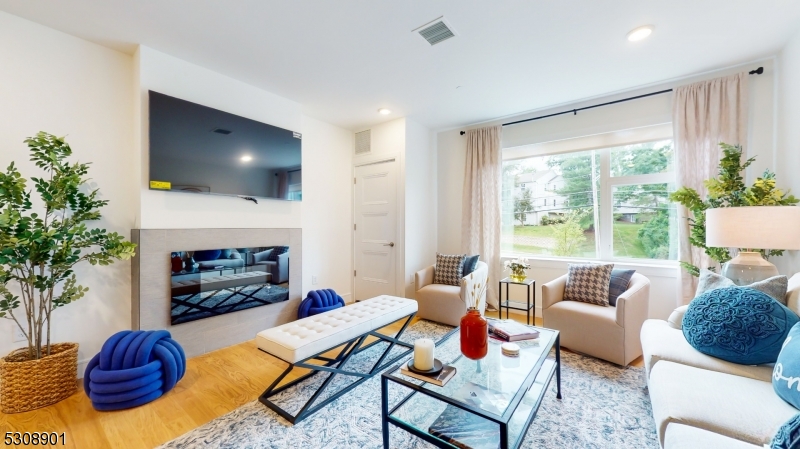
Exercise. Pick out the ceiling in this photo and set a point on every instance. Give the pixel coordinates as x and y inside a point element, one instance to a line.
<point>343,60</point>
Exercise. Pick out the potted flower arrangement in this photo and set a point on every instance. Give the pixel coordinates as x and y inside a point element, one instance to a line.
<point>517,267</point>
<point>39,248</point>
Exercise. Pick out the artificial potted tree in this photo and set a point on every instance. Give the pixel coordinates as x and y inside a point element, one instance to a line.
<point>728,190</point>
<point>40,244</point>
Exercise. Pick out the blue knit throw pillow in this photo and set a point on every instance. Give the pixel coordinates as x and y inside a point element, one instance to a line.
<point>788,435</point>
<point>740,325</point>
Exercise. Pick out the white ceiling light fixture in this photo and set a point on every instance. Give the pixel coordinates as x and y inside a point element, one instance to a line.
<point>246,158</point>
<point>384,111</point>
<point>640,33</point>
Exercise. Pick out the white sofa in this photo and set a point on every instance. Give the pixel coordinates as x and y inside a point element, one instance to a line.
<point>702,402</point>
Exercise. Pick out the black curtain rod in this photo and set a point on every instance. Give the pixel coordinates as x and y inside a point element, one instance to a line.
<point>757,71</point>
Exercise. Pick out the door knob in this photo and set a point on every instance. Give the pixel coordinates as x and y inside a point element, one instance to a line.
<point>389,244</point>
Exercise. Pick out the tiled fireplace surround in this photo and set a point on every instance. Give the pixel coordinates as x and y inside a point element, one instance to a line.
<point>150,285</point>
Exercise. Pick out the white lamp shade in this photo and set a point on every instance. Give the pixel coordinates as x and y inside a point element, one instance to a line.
<point>754,227</point>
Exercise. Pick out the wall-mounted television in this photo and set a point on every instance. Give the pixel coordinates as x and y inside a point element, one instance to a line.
<point>198,149</point>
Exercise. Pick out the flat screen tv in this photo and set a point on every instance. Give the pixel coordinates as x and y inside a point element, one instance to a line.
<point>197,149</point>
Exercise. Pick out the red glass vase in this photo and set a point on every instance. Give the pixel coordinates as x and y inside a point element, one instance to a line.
<point>474,335</point>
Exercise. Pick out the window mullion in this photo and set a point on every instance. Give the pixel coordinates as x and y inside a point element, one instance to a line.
<point>605,227</point>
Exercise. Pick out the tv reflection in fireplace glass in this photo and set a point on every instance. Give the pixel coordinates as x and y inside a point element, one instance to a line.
<point>208,283</point>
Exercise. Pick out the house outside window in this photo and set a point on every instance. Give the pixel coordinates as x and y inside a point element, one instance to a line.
<point>608,203</point>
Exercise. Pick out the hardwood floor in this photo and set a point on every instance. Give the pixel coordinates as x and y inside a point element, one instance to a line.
<point>215,383</point>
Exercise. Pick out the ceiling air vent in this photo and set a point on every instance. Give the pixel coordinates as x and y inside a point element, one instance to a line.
<point>364,142</point>
<point>221,131</point>
<point>437,31</point>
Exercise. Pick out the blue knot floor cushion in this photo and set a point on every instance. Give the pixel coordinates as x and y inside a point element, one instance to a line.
<point>133,368</point>
<point>319,301</point>
<point>740,325</point>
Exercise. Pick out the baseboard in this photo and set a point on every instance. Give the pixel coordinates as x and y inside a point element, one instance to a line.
<point>348,298</point>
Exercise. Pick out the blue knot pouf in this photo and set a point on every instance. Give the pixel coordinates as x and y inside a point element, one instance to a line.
<point>132,369</point>
<point>319,301</point>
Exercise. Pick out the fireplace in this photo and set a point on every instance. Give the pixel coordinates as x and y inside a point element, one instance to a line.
<point>207,283</point>
<point>223,302</point>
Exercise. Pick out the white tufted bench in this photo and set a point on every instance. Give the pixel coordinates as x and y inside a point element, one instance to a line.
<point>306,339</point>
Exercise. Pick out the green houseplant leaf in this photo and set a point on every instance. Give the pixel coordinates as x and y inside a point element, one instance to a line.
<point>39,250</point>
<point>728,190</point>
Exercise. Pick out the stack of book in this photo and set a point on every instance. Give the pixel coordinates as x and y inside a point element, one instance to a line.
<point>440,378</point>
<point>508,330</point>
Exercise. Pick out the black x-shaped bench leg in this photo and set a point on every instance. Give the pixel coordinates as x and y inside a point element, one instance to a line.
<point>334,367</point>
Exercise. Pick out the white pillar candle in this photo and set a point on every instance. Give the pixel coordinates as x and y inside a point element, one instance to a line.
<point>423,354</point>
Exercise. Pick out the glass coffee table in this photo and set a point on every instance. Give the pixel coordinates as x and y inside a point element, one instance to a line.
<point>489,403</point>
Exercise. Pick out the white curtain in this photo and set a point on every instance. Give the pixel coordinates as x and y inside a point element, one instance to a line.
<point>704,114</point>
<point>481,219</point>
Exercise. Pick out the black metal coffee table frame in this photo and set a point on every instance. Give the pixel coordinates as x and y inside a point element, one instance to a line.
<point>543,365</point>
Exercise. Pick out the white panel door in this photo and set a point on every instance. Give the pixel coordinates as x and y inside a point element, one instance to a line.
<point>375,213</point>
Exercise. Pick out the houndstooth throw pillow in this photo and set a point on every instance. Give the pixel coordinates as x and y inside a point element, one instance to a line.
<point>588,283</point>
<point>449,269</point>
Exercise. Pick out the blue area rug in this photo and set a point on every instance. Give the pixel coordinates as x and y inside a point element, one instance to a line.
<point>604,406</point>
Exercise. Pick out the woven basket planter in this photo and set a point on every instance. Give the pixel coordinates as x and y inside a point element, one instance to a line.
<point>31,384</point>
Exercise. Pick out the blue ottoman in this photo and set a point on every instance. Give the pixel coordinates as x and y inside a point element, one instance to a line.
<point>319,301</point>
<point>132,369</point>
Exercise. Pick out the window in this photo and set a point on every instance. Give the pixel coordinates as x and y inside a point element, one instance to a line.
<point>606,203</point>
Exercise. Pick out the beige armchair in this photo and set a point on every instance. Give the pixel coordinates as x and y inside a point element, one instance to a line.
<point>609,333</point>
<point>448,303</point>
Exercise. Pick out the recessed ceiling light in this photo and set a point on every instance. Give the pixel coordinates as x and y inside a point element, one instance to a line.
<point>640,33</point>
<point>246,158</point>
<point>384,111</point>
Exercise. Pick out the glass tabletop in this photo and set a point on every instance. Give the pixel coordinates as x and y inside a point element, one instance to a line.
<point>526,281</point>
<point>489,384</point>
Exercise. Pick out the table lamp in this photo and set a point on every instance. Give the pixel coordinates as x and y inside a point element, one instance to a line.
<point>752,228</point>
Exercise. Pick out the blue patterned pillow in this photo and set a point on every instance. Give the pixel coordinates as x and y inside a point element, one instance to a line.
<point>619,283</point>
<point>786,374</point>
<point>740,325</point>
<point>788,436</point>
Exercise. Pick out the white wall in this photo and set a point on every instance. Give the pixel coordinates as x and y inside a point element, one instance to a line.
<point>53,82</point>
<point>327,207</point>
<point>788,156</point>
<point>420,202</point>
<point>647,111</point>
